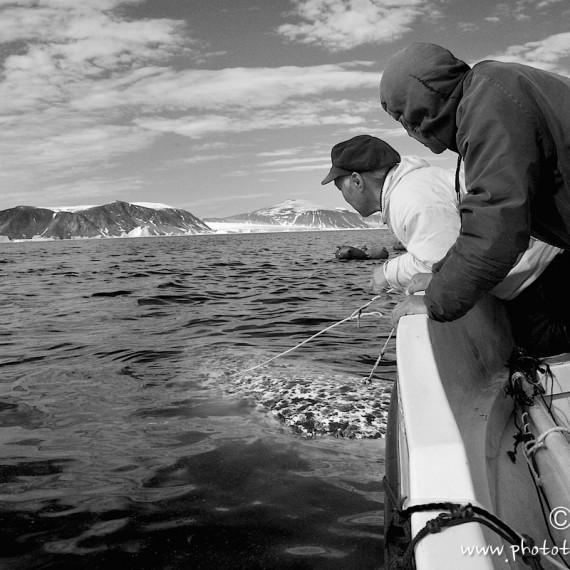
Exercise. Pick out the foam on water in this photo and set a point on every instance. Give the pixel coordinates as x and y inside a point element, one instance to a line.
<point>311,402</point>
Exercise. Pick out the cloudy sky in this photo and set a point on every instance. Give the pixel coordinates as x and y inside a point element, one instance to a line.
<point>223,106</point>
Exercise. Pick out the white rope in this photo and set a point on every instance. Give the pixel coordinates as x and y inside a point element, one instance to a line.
<point>526,431</point>
<point>355,315</point>
<point>535,444</point>
<point>380,356</point>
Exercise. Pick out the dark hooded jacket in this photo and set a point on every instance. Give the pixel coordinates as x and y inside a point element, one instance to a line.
<point>511,125</point>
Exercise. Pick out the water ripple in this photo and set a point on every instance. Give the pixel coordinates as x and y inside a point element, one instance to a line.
<point>127,439</point>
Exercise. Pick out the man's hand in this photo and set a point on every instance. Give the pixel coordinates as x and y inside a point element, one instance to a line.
<point>418,282</point>
<point>412,305</point>
<point>378,282</point>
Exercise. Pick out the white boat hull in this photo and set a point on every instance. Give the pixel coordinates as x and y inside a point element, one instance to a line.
<point>450,428</point>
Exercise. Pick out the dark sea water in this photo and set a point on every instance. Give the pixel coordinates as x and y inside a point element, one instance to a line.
<point>124,441</point>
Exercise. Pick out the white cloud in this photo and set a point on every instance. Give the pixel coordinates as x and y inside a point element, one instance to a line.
<point>213,145</point>
<point>289,161</point>
<point>241,117</point>
<point>546,3</point>
<point>236,174</point>
<point>93,190</point>
<point>82,85</point>
<point>38,155</point>
<point>191,160</point>
<point>467,26</point>
<point>196,127</point>
<point>281,152</point>
<point>164,88</point>
<point>323,166</point>
<point>71,146</point>
<point>83,38</point>
<point>204,158</point>
<point>521,10</point>
<point>224,199</point>
<point>94,186</point>
<point>339,25</point>
<point>551,54</point>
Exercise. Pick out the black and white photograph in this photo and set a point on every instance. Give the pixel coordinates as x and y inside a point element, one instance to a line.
<point>284,284</point>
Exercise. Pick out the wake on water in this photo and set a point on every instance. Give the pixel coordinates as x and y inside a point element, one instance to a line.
<point>310,401</point>
<point>313,403</point>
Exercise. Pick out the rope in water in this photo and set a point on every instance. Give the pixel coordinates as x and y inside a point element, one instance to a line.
<point>355,315</point>
<point>368,379</point>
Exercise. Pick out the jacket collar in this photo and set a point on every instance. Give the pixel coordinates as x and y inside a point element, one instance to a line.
<point>406,165</point>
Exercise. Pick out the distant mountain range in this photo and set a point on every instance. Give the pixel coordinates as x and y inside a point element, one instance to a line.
<point>296,215</point>
<point>125,219</point>
<point>119,219</point>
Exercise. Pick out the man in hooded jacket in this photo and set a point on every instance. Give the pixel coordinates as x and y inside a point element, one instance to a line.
<point>510,124</point>
<point>419,203</point>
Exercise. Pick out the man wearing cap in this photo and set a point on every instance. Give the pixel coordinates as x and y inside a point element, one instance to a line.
<point>419,203</point>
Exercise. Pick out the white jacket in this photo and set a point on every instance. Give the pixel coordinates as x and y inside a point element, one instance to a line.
<point>419,205</point>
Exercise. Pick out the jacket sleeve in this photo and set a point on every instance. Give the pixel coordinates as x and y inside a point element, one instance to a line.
<point>498,139</point>
<point>427,234</point>
<point>399,270</point>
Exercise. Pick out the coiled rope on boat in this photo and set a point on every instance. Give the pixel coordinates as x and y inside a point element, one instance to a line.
<point>534,445</point>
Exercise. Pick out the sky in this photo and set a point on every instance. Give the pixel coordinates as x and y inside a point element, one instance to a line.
<point>223,107</point>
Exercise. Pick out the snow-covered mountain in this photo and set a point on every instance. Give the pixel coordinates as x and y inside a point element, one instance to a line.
<point>118,219</point>
<point>294,215</point>
<point>141,219</point>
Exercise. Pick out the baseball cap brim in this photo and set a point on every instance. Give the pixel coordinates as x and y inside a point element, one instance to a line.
<point>335,172</point>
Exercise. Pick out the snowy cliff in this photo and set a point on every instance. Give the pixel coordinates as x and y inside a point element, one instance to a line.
<point>118,219</point>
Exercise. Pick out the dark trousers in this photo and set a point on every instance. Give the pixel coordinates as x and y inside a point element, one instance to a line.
<point>540,315</point>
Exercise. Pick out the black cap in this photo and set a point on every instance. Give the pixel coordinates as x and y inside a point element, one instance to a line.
<point>360,154</point>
